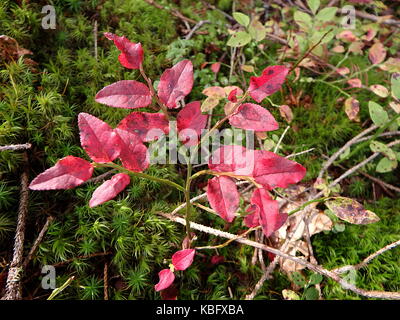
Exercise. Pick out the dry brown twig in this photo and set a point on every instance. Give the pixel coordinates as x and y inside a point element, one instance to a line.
<point>195,28</point>
<point>105,279</point>
<point>95,39</point>
<point>15,147</point>
<point>13,287</point>
<point>383,184</point>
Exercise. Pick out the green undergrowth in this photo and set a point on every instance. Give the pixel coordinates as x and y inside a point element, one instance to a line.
<point>40,105</point>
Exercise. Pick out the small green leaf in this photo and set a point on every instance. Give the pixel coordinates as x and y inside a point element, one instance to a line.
<point>239,39</point>
<point>302,42</point>
<point>379,90</point>
<point>313,5</point>
<point>339,227</point>
<point>316,278</point>
<point>269,144</point>
<point>209,103</point>
<point>326,14</point>
<point>396,85</point>
<point>290,295</point>
<point>298,279</point>
<point>378,115</point>
<point>303,20</point>
<point>311,293</point>
<point>383,148</point>
<point>241,18</point>
<point>257,30</point>
<point>345,154</point>
<point>386,165</point>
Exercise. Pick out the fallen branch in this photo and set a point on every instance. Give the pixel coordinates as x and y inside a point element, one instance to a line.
<point>13,287</point>
<point>105,279</point>
<point>15,147</point>
<point>95,39</point>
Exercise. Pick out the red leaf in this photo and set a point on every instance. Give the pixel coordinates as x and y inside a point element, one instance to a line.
<point>217,259</point>
<point>183,259</point>
<point>166,278</point>
<point>274,171</point>
<point>250,116</point>
<point>232,95</point>
<point>176,83</point>
<point>235,159</point>
<point>269,82</point>
<point>355,83</point>
<point>134,154</point>
<point>215,67</point>
<point>98,139</point>
<point>148,126</point>
<point>252,219</point>
<point>128,94</point>
<point>271,256</point>
<point>268,169</point>
<point>131,56</point>
<point>67,173</point>
<point>267,211</point>
<point>223,196</point>
<point>190,122</point>
<point>109,189</point>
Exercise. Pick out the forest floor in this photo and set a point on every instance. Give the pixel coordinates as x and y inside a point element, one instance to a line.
<point>344,91</point>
